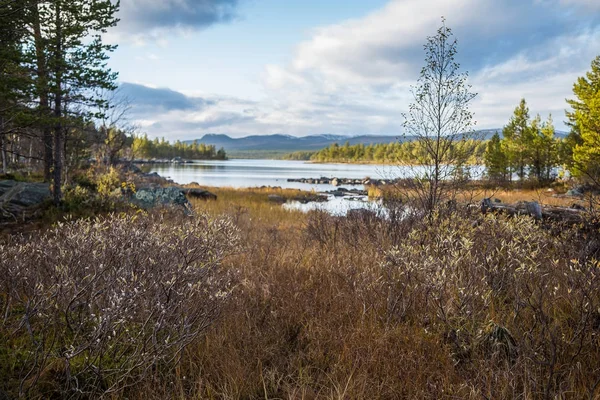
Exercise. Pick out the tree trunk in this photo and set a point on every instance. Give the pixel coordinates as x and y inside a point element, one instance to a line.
<point>3,147</point>
<point>3,151</point>
<point>58,104</point>
<point>43,90</point>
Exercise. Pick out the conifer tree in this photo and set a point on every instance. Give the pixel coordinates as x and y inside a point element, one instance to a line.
<point>584,117</point>
<point>518,138</point>
<point>495,159</point>
<point>544,156</point>
<point>70,57</point>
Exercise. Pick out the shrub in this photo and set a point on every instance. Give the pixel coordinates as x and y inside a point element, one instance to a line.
<point>108,182</point>
<point>515,303</point>
<point>92,306</point>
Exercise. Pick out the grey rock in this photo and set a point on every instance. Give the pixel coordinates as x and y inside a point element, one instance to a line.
<point>21,199</point>
<point>24,194</point>
<point>152,197</point>
<point>200,194</point>
<point>534,209</point>
<point>275,198</point>
<point>576,192</point>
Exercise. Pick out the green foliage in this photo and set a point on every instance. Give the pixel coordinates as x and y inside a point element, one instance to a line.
<point>544,150</point>
<point>496,160</point>
<point>411,152</point>
<point>528,148</point>
<point>143,147</point>
<point>518,137</point>
<point>585,121</point>
<point>299,155</point>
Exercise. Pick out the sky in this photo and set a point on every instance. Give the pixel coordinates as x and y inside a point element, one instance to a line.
<point>308,67</point>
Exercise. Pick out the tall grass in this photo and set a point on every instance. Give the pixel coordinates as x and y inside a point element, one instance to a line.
<point>457,305</point>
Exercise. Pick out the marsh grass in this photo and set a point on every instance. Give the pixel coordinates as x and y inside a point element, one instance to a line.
<point>461,306</point>
<point>458,305</point>
<point>475,193</point>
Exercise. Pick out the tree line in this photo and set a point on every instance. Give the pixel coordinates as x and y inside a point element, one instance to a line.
<point>143,147</point>
<point>529,148</point>
<point>412,152</point>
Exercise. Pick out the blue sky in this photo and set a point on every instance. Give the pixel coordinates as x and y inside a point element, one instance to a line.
<point>241,67</point>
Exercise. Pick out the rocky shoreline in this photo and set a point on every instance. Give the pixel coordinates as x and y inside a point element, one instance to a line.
<point>343,181</point>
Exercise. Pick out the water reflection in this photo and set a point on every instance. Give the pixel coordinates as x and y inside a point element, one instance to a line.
<point>256,173</point>
<point>338,206</point>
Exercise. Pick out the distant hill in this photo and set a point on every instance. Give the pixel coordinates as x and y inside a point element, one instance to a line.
<point>286,143</point>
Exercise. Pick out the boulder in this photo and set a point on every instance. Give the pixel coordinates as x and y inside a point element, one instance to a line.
<point>200,194</point>
<point>275,198</point>
<point>24,194</point>
<point>576,191</point>
<point>534,209</point>
<point>335,182</point>
<point>19,198</point>
<point>152,197</point>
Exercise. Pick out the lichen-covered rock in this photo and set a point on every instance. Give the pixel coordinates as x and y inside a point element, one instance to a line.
<point>24,194</point>
<point>153,197</point>
<point>17,199</point>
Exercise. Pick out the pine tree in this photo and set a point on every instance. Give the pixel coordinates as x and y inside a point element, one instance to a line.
<point>518,139</point>
<point>545,151</point>
<point>14,78</point>
<point>496,160</point>
<point>584,118</point>
<point>70,57</point>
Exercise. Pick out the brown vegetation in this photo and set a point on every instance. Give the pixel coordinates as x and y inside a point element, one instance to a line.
<point>458,305</point>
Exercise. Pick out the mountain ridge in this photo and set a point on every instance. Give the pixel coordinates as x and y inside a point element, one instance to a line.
<point>283,142</point>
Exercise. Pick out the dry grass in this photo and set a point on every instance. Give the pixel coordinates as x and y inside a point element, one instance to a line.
<point>254,204</point>
<point>544,196</point>
<point>325,309</point>
<point>456,306</point>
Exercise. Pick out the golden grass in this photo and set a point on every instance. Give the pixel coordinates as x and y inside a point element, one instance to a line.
<point>544,196</point>
<point>362,308</point>
<point>253,202</point>
<point>311,314</point>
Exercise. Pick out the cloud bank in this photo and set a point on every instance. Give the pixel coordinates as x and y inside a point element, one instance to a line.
<point>147,15</point>
<point>354,77</point>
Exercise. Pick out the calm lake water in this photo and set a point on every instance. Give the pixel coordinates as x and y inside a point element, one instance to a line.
<point>256,173</point>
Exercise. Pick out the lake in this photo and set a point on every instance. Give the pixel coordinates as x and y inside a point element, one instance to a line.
<point>255,173</point>
<point>240,173</point>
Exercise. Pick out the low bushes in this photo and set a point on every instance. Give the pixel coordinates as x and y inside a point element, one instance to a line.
<point>92,307</point>
<point>389,305</point>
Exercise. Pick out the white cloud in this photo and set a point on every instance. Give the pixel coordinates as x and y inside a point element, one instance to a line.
<point>354,77</point>
<point>589,4</point>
